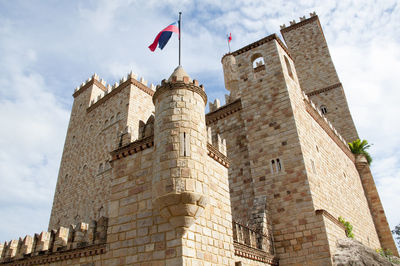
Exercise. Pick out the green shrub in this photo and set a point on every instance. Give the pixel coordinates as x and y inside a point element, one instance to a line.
<point>387,254</point>
<point>349,227</point>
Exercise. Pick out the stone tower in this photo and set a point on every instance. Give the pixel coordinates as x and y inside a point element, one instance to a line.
<point>180,181</point>
<point>317,74</point>
<point>101,114</point>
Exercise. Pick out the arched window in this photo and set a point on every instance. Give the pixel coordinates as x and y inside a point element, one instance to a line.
<point>324,110</point>
<point>276,166</point>
<point>288,66</point>
<point>258,62</point>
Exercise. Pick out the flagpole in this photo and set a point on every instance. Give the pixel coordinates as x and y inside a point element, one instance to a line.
<point>179,26</point>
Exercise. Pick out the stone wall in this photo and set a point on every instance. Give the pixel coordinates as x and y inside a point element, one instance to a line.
<point>333,179</point>
<point>228,123</point>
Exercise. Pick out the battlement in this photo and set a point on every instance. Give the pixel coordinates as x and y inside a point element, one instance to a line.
<point>108,90</point>
<point>180,82</point>
<point>303,21</point>
<point>218,112</point>
<point>63,239</point>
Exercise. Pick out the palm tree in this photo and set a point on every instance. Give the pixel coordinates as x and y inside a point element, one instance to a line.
<point>360,147</point>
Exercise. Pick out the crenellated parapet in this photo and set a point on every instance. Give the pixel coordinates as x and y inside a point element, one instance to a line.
<point>63,239</point>
<point>223,111</point>
<point>303,20</point>
<point>103,91</point>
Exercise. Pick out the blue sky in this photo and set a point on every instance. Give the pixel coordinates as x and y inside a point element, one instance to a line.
<point>48,48</point>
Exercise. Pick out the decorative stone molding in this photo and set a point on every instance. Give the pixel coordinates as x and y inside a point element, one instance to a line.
<point>329,216</point>
<point>133,147</point>
<point>334,86</point>
<point>48,258</point>
<point>217,155</point>
<point>181,209</point>
<point>248,244</point>
<point>176,85</point>
<point>245,251</point>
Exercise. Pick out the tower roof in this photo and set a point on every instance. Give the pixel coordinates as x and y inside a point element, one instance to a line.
<point>179,73</point>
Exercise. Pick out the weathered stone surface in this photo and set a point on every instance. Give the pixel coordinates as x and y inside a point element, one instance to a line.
<point>353,252</point>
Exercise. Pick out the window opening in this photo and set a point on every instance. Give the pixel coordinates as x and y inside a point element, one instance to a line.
<point>184,143</point>
<point>278,165</point>
<point>324,110</point>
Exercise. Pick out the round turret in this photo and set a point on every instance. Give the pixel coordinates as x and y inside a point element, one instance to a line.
<point>231,76</point>
<point>180,188</point>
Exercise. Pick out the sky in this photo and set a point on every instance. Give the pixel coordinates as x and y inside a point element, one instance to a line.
<point>47,48</point>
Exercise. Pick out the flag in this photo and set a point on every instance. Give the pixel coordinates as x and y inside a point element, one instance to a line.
<point>163,36</point>
<point>230,37</point>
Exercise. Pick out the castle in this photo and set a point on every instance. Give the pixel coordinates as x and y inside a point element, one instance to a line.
<point>147,178</point>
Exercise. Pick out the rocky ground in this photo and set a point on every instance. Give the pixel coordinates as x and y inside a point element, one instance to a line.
<point>352,252</point>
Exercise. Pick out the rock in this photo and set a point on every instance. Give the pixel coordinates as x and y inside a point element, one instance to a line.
<point>352,252</point>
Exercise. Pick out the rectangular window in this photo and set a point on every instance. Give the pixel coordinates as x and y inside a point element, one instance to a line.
<point>184,144</point>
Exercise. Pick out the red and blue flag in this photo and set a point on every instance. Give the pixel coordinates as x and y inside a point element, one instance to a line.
<point>163,36</point>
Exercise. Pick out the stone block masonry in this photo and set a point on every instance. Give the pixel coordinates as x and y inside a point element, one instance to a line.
<point>261,180</point>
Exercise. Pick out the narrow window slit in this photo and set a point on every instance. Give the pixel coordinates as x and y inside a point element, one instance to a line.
<point>184,143</point>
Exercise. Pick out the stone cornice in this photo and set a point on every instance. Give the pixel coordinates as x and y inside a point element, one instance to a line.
<point>87,85</point>
<point>128,82</point>
<point>176,85</point>
<point>224,111</point>
<point>248,252</point>
<point>299,24</point>
<point>51,257</point>
<point>217,155</point>
<point>314,114</point>
<point>330,217</point>
<point>132,148</point>
<point>142,144</point>
<point>258,43</point>
<point>334,86</point>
